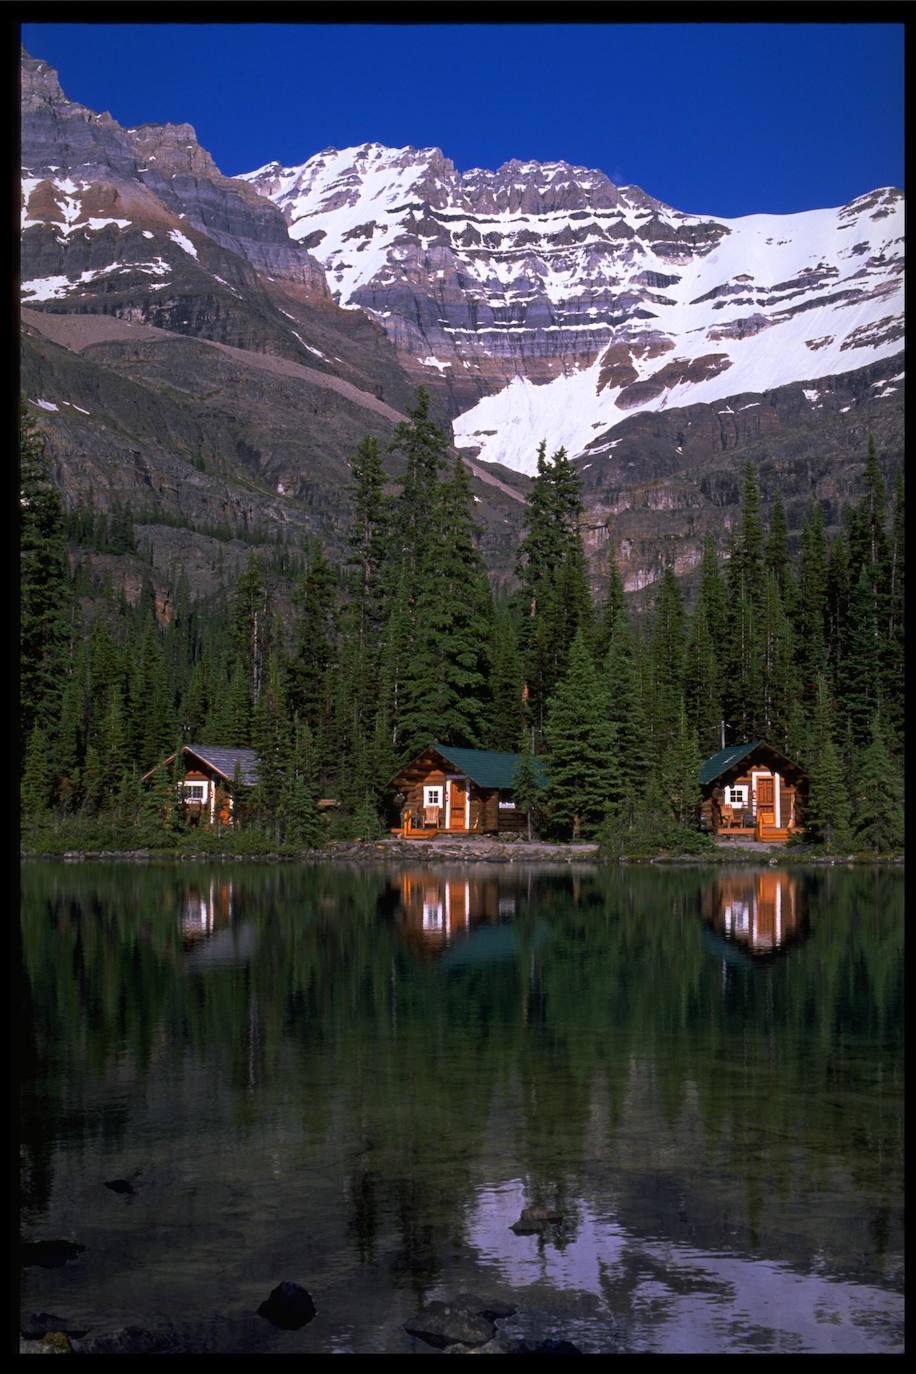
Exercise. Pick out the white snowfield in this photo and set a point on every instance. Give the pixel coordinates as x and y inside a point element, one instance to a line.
<point>805,295</point>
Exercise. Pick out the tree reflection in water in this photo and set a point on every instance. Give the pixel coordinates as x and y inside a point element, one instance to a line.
<point>705,1059</point>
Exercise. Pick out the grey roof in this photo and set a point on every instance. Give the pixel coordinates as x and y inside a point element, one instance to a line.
<point>224,758</point>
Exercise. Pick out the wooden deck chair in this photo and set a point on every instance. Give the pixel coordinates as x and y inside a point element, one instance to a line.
<point>431,816</point>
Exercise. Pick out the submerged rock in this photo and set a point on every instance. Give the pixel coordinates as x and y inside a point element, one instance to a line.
<point>49,1254</point>
<point>127,1340</point>
<point>121,1185</point>
<point>451,1323</point>
<point>533,1220</point>
<point>288,1307</point>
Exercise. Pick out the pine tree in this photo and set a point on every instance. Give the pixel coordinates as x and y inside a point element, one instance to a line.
<point>778,558</point>
<point>860,674</point>
<point>507,706</point>
<point>746,565</point>
<point>614,603</point>
<point>827,815</point>
<point>553,598</point>
<point>703,683</point>
<point>44,590</point>
<point>812,603</point>
<point>626,712</point>
<point>526,788</point>
<point>680,773</point>
<point>667,662</point>
<point>445,678</point>
<point>878,820</point>
<point>251,625</point>
<point>583,775</point>
<point>423,447</point>
<point>35,786</point>
<point>369,538</point>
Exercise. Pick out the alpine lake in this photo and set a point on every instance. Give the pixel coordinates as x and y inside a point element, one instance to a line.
<point>357,1079</point>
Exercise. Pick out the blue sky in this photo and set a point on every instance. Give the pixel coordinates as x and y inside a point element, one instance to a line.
<point>725,119</point>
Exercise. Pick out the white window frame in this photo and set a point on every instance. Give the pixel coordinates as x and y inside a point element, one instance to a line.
<point>189,795</point>
<point>507,804</point>
<point>429,799</point>
<point>730,795</point>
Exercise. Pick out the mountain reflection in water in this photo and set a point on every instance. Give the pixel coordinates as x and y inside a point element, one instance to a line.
<point>356,1079</point>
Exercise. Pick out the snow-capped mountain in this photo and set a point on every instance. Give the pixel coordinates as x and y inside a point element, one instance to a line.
<point>553,304</point>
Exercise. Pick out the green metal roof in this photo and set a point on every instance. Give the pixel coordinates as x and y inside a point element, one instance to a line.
<point>714,767</point>
<point>487,767</point>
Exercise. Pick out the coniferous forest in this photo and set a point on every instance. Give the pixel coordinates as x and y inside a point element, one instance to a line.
<point>337,674</point>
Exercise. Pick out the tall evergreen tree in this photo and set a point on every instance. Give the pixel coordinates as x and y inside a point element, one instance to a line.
<point>445,679</point>
<point>44,589</point>
<point>507,706</point>
<point>827,815</point>
<point>252,624</point>
<point>878,819</point>
<point>583,775</point>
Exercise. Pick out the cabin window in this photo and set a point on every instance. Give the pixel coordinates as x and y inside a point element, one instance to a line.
<point>506,801</point>
<point>432,796</point>
<point>736,796</point>
<point>194,791</point>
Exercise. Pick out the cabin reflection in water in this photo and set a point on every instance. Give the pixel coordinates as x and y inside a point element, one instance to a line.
<point>205,911</point>
<point>434,909</point>
<point>759,912</point>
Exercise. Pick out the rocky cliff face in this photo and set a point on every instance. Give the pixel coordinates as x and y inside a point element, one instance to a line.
<point>83,174</point>
<point>551,303</point>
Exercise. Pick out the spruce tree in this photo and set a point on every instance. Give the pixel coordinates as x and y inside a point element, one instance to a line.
<point>878,819</point>
<point>507,716</point>
<point>37,777</point>
<point>827,813</point>
<point>423,447</point>
<point>44,590</point>
<point>445,678</point>
<point>251,625</point>
<point>680,773</point>
<point>526,788</point>
<point>583,774</point>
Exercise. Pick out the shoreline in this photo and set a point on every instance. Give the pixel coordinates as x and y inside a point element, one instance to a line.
<point>480,851</point>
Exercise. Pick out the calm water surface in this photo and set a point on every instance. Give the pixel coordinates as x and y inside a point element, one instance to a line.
<point>357,1079</point>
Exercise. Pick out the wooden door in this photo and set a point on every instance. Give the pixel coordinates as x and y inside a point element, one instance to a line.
<point>766,802</point>
<point>458,801</point>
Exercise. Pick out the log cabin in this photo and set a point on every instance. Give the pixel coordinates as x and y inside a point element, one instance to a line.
<point>449,791</point>
<point>752,791</point>
<point>209,783</point>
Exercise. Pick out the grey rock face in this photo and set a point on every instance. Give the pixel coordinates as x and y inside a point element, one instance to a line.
<point>64,142</point>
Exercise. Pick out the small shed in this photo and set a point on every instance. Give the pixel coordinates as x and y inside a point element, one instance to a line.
<point>456,791</point>
<point>752,790</point>
<point>211,779</point>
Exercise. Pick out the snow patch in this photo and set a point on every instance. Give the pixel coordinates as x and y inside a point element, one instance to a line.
<point>46,405</point>
<point>183,242</point>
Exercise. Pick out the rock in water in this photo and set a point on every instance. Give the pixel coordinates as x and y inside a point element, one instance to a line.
<point>121,1185</point>
<point>127,1340</point>
<point>289,1307</point>
<point>533,1220</point>
<point>50,1254</point>
<point>450,1323</point>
